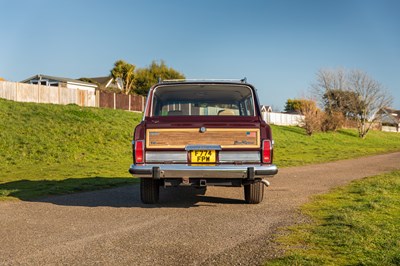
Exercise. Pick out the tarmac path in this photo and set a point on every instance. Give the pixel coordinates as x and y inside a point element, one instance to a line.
<point>112,226</point>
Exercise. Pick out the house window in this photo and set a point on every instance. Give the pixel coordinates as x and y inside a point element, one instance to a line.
<point>41,82</point>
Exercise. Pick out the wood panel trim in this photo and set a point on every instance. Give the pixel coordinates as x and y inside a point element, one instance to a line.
<point>196,130</point>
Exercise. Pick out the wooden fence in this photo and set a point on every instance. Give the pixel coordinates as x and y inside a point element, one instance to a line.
<point>282,119</point>
<point>21,92</point>
<point>121,101</point>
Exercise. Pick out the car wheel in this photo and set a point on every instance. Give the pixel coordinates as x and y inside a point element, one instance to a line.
<point>149,190</point>
<point>254,193</point>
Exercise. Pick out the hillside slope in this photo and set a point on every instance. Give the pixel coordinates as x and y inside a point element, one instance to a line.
<point>55,142</point>
<point>293,147</point>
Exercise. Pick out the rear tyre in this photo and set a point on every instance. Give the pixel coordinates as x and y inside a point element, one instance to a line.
<point>254,193</point>
<point>149,190</point>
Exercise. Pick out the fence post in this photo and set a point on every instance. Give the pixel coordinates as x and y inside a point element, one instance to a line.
<point>97,101</point>
<point>129,101</point>
<point>58,94</point>
<point>115,101</point>
<point>16,92</point>
<point>38,93</point>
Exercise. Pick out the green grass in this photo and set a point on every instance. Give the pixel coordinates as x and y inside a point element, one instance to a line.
<point>52,149</point>
<point>293,147</point>
<point>354,225</point>
<point>46,145</point>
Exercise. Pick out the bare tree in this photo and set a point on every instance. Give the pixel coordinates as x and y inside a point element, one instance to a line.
<point>372,98</point>
<point>328,81</point>
<point>352,93</point>
<point>328,88</point>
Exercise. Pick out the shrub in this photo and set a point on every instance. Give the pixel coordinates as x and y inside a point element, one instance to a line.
<point>332,121</point>
<point>312,117</point>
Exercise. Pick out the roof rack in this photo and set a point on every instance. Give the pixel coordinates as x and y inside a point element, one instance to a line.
<point>243,80</point>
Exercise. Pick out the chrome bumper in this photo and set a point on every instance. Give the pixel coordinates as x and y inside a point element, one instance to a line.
<point>158,171</point>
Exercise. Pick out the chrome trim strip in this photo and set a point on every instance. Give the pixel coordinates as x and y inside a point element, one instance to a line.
<point>239,156</point>
<point>202,147</point>
<point>218,171</point>
<point>224,156</point>
<point>166,156</point>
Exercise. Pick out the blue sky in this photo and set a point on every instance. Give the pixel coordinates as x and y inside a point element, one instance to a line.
<point>278,45</point>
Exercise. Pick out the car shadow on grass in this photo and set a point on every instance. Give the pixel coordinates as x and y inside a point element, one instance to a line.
<point>106,192</point>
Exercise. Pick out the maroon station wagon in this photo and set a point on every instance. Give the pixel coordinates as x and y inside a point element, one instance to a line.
<point>202,133</point>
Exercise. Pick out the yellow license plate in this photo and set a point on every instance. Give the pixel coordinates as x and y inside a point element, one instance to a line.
<point>203,156</point>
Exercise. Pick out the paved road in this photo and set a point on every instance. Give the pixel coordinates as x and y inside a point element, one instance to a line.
<point>113,227</point>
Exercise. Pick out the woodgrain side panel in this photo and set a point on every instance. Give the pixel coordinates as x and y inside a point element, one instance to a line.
<point>179,138</point>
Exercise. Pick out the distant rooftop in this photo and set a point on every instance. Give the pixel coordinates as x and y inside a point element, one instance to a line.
<point>60,79</point>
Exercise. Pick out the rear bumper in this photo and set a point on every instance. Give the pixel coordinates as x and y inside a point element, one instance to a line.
<point>158,171</point>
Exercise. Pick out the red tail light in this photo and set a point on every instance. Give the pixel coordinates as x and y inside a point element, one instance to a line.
<point>266,151</point>
<point>139,151</point>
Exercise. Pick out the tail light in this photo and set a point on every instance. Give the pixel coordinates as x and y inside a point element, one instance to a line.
<point>139,151</point>
<point>266,152</point>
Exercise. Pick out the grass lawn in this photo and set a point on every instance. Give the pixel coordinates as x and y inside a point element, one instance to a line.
<point>50,149</point>
<point>354,225</point>
<point>294,148</point>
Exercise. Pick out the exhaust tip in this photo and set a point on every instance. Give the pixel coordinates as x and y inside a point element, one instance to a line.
<point>265,182</point>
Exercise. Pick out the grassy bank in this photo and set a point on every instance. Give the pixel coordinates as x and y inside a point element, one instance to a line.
<point>53,149</point>
<point>293,147</point>
<point>355,225</point>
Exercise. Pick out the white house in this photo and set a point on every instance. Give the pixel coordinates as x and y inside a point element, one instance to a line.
<point>265,108</point>
<point>85,91</point>
<point>390,120</point>
<point>58,81</point>
<point>108,83</point>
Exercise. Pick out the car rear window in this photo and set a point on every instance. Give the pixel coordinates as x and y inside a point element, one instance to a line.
<point>203,100</point>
